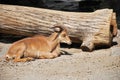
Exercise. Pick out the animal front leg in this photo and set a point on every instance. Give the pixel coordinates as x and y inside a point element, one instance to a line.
<point>47,55</point>
<point>50,55</point>
<point>56,51</point>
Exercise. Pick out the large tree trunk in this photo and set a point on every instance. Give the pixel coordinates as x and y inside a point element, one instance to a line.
<point>93,29</point>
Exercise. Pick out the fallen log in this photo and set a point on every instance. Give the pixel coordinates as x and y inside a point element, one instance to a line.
<point>92,29</point>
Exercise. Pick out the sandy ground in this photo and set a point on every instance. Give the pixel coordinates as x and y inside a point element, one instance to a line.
<point>102,64</point>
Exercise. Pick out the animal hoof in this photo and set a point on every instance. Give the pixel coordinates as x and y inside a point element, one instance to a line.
<point>30,59</point>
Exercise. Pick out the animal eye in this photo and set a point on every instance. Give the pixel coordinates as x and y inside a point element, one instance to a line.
<point>64,35</point>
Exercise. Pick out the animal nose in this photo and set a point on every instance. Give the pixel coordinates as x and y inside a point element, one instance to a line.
<point>69,43</point>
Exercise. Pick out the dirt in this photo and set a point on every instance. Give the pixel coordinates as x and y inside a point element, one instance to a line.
<point>101,64</point>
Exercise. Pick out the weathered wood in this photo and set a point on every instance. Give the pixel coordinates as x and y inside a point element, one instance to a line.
<point>92,29</point>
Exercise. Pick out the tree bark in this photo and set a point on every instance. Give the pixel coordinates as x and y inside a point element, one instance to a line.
<point>92,29</point>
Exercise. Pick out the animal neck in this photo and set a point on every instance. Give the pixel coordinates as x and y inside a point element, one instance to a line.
<point>53,36</point>
<point>54,39</point>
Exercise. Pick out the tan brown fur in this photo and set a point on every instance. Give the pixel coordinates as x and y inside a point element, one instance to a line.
<point>38,47</point>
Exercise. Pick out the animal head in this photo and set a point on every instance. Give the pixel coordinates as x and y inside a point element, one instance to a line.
<point>63,35</point>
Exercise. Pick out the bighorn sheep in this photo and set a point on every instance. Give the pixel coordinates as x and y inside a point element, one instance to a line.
<point>40,47</point>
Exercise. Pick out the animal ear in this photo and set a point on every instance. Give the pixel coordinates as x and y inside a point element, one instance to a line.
<point>57,29</point>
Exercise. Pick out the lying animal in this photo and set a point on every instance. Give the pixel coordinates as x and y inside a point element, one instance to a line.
<point>40,47</point>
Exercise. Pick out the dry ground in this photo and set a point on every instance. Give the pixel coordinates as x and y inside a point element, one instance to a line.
<point>102,64</point>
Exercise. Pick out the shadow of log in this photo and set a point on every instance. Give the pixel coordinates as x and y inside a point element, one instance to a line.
<point>8,38</point>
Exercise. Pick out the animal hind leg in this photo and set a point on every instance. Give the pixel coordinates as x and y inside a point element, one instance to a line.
<point>20,54</point>
<point>23,59</point>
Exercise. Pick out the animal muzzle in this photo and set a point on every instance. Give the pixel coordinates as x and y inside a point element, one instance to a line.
<point>69,42</point>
